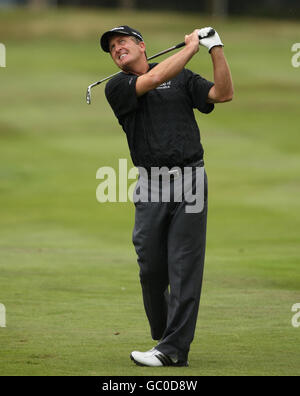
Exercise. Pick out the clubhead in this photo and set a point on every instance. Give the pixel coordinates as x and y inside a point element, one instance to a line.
<point>88,96</point>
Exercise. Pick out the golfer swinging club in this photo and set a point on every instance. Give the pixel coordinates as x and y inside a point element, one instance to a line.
<point>154,105</point>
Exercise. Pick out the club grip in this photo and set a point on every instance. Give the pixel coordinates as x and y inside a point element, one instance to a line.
<point>180,45</point>
<point>209,34</point>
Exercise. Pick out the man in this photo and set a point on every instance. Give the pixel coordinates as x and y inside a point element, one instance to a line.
<point>154,104</point>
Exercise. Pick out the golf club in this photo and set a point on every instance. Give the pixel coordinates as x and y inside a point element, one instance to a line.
<point>89,90</point>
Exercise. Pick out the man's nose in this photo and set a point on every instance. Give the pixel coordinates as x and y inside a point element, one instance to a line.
<point>119,47</point>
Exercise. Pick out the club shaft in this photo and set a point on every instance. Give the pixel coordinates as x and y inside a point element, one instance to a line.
<point>167,50</point>
<point>180,45</point>
<point>151,57</point>
<point>88,97</point>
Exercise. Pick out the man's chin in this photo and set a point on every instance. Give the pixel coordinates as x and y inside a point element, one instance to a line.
<point>125,63</point>
<point>125,67</point>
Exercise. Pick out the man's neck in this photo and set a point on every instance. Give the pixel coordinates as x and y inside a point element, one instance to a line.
<point>138,69</point>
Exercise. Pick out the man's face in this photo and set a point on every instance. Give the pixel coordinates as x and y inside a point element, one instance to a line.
<point>125,51</point>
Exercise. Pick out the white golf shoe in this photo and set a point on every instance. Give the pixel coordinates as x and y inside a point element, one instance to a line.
<point>153,358</point>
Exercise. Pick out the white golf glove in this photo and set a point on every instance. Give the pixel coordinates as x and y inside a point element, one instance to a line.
<point>209,42</point>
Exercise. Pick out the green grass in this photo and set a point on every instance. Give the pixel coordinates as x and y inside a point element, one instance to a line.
<point>69,277</point>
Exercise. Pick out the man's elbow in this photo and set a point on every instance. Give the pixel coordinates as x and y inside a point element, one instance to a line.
<point>155,80</point>
<point>228,97</point>
<point>146,83</point>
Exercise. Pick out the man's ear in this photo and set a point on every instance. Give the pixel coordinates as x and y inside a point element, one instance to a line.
<point>142,45</point>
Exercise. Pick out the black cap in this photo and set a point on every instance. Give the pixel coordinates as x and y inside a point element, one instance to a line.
<point>128,31</point>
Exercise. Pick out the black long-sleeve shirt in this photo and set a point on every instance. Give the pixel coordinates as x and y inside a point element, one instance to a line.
<point>160,126</point>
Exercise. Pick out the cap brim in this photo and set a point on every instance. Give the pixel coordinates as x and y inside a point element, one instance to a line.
<point>104,41</point>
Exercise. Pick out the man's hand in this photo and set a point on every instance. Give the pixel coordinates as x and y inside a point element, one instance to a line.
<point>192,41</point>
<point>210,42</point>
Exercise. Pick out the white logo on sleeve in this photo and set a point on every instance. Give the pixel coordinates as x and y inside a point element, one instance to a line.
<point>165,85</point>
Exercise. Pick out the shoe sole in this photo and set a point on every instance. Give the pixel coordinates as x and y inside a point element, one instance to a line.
<point>171,365</point>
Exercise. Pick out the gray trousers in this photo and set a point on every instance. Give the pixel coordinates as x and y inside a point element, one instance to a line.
<point>170,245</point>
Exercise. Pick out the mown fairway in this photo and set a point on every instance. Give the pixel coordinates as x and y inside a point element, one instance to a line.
<point>68,271</point>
